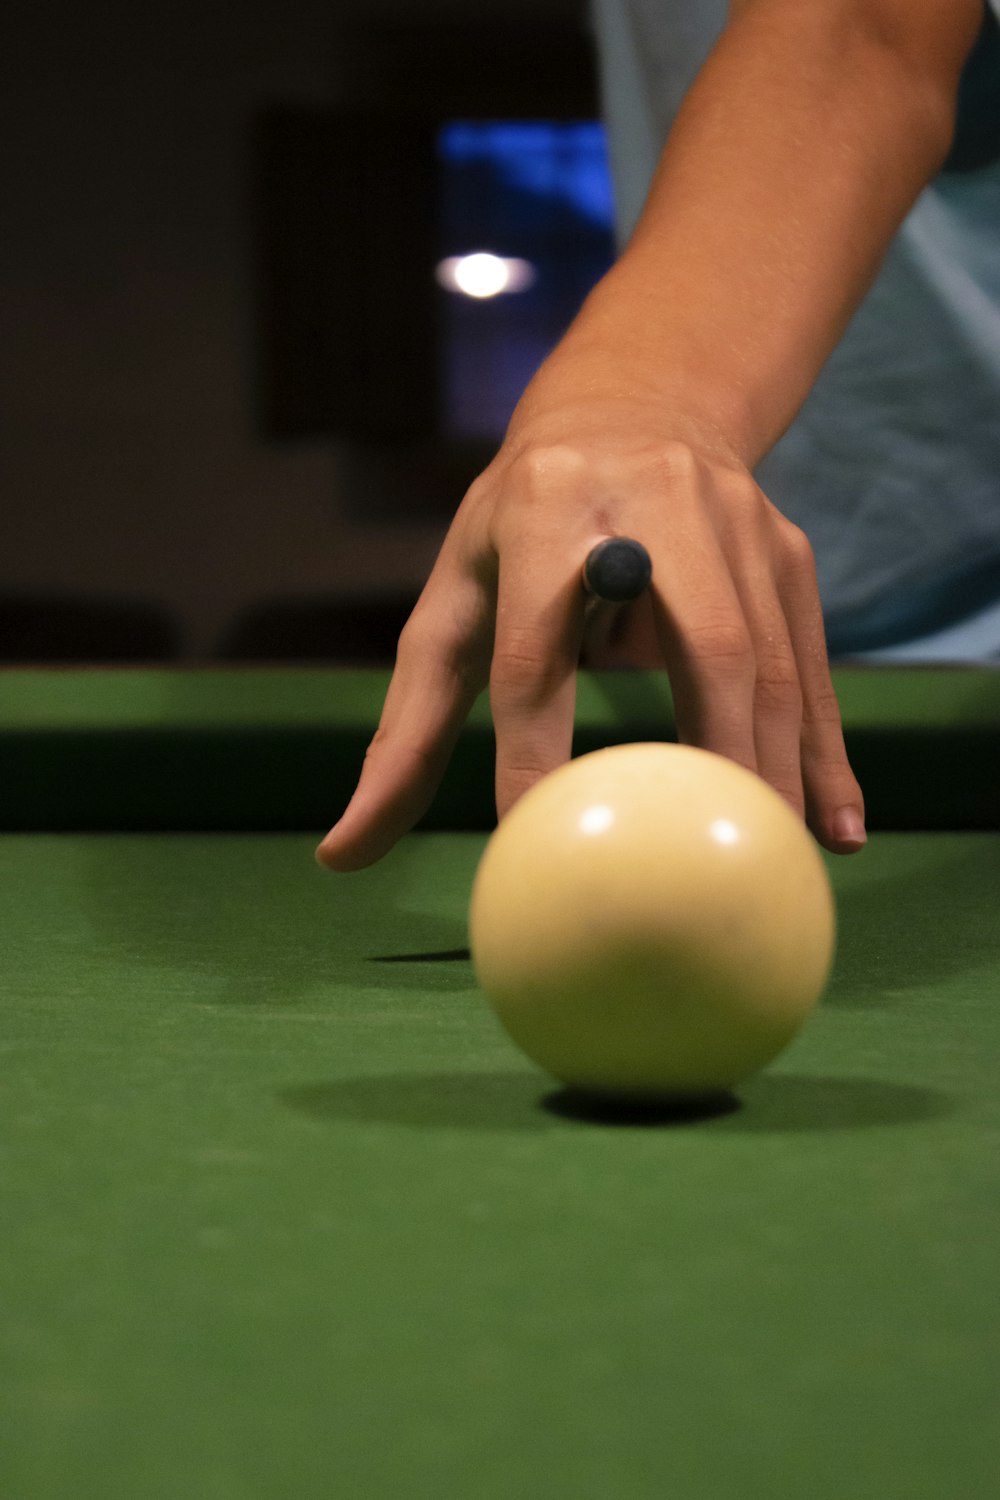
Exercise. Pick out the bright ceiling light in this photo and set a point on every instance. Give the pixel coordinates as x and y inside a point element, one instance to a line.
<point>484,275</point>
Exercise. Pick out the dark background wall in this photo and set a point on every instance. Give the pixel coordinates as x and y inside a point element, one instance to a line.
<point>133,466</point>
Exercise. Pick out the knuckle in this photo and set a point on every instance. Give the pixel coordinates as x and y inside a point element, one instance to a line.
<point>745,503</point>
<point>422,761</point>
<point>480,489</point>
<point>540,467</point>
<point>416,642</point>
<point>776,696</point>
<point>519,672</point>
<point>834,779</point>
<point>777,689</point>
<point>379,741</point>
<point>677,460</point>
<point>520,642</point>
<point>822,709</point>
<point>513,669</point>
<point>796,547</point>
<point>383,751</point>
<point>426,641</point>
<point>723,644</point>
<point>744,490</point>
<point>523,769</point>
<point>522,761</point>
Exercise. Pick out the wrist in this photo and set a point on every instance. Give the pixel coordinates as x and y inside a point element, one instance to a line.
<point>637,347</point>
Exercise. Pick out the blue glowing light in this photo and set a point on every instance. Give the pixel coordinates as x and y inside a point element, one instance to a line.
<point>557,161</point>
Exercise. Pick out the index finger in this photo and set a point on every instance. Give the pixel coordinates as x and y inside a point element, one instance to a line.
<point>437,678</point>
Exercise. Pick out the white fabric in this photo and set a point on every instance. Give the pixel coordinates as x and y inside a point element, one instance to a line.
<point>892,467</point>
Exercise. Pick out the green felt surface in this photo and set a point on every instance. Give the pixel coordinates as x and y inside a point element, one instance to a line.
<point>281,749</point>
<point>151,698</point>
<point>285,1215</point>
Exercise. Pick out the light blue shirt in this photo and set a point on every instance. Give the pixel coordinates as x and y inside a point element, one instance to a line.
<point>892,467</point>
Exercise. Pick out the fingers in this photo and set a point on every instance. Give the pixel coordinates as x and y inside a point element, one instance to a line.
<point>741,629</point>
<point>526,614</point>
<point>736,612</point>
<point>703,630</point>
<point>835,805</point>
<point>441,668</point>
<point>536,651</point>
<point>439,675</point>
<point>776,706</point>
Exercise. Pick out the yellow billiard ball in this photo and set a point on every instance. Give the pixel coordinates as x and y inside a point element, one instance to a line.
<point>651,922</point>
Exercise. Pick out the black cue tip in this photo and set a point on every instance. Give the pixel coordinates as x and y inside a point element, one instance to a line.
<point>617,570</point>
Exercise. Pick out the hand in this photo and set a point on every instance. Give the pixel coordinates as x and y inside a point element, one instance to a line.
<point>733,608</point>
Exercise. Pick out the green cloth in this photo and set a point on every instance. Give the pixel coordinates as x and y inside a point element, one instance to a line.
<point>284,1214</point>
<point>279,749</point>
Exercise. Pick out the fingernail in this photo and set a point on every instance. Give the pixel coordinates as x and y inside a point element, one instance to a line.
<point>849,826</point>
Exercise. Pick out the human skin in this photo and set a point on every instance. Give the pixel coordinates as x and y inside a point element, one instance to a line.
<point>799,150</point>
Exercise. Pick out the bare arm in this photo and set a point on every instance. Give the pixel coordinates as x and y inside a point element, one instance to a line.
<point>799,150</point>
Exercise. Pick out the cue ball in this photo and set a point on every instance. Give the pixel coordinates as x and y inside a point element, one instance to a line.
<point>652,921</point>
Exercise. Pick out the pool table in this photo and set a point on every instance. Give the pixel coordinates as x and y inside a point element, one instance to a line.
<point>284,1214</point>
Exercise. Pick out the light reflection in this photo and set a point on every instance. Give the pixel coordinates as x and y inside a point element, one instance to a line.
<point>597,819</point>
<point>724,832</point>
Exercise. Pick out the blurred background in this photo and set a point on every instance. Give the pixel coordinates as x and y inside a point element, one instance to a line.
<point>272,277</point>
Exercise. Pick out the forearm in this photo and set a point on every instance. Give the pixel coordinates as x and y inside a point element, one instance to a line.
<point>796,156</point>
